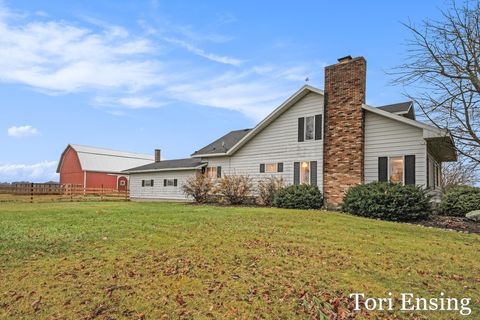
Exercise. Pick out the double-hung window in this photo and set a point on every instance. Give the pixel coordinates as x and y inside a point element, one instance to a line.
<point>309,128</point>
<point>170,182</point>
<point>212,172</point>
<point>304,172</point>
<point>396,169</point>
<point>147,183</point>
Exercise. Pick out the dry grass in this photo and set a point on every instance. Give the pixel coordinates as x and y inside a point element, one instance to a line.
<point>121,260</point>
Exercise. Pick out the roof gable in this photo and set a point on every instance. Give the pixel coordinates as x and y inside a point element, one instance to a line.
<point>302,92</point>
<point>431,129</point>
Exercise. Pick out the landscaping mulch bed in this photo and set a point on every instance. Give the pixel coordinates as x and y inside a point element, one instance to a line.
<point>452,223</point>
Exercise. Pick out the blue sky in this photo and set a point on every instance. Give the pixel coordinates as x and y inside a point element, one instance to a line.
<point>175,75</point>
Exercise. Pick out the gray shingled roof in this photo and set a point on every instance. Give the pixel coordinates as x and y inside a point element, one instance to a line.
<point>403,108</point>
<point>397,107</point>
<point>169,165</point>
<point>224,143</point>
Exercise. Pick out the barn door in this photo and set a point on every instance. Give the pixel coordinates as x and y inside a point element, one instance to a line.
<point>122,184</point>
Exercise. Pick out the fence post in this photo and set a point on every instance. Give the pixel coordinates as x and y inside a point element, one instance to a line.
<point>31,192</point>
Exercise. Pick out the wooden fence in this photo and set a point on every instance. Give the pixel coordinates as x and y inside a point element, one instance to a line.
<point>39,192</point>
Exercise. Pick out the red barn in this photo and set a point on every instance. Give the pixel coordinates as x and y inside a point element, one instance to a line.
<point>93,167</point>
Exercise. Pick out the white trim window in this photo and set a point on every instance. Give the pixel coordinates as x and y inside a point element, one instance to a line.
<point>147,183</point>
<point>309,128</point>
<point>271,167</point>
<point>211,172</point>
<point>396,169</point>
<point>170,182</point>
<point>305,172</point>
<point>434,173</point>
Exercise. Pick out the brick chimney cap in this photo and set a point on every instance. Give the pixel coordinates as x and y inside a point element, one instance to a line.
<point>345,59</point>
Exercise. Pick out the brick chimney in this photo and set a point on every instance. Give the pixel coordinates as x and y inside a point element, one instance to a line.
<point>343,157</point>
<point>157,155</point>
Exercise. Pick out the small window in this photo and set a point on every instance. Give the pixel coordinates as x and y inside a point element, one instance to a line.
<point>271,167</point>
<point>305,172</point>
<point>147,183</point>
<point>396,169</point>
<point>309,128</point>
<point>211,172</point>
<point>122,183</point>
<point>169,183</point>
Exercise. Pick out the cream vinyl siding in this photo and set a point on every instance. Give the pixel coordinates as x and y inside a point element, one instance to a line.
<point>158,191</point>
<point>385,137</point>
<point>278,143</point>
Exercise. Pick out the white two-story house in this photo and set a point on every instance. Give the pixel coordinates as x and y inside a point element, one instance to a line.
<point>329,138</point>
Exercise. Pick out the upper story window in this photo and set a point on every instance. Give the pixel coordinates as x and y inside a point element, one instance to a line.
<point>309,128</point>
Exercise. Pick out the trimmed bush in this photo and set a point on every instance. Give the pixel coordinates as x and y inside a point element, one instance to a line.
<point>298,197</point>
<point>387,201</point>
<point>473,216</point>
<point>235,189</point>
<point>457,201</point>
<point>267,188</point>
<point>199,187</point>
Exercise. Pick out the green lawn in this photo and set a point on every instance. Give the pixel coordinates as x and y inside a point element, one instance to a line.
<point>123,260</point>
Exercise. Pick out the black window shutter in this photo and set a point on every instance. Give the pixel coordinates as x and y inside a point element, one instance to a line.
<point>219,172</point>
<point>262,167</point>
<point>383,169</point>
<point>296,173</point>
<point>313,173</point>
<point>318,127</point>
<point>409,169</point>
<point>151,183</point>
<point>301,129</point>
<point>143,183</point>
<point>175,181</point>
<point>164,182</point>
<point>280,167</point>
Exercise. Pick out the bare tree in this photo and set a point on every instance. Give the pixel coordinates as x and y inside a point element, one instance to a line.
<point>458,173</point>
<point>442,74</point>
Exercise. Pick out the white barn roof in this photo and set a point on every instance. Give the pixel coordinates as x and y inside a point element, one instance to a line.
<point>107,160</point>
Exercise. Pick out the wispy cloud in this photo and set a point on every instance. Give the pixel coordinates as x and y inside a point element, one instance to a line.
<point>60,58</point>
<point>121,69</point>
<point>22,131</point>
<point>38,172</point>
<point>200,52</point>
